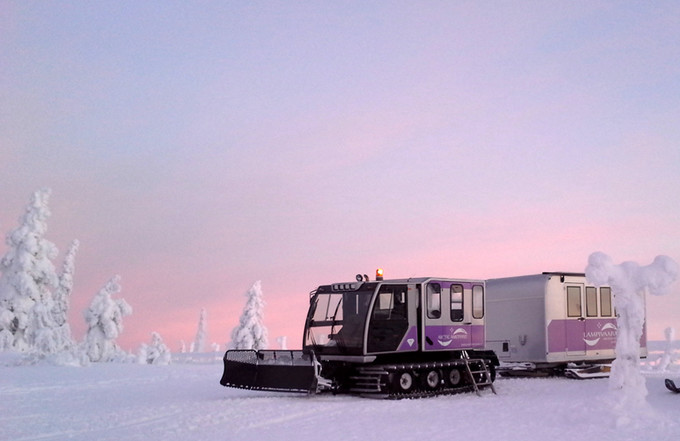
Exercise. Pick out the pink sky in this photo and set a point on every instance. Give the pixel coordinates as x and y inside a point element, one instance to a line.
<point>195,150</point>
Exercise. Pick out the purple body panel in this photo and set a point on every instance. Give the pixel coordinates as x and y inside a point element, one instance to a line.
<point>455,337</point>
<point>588,335</point>
<point>410,341</point>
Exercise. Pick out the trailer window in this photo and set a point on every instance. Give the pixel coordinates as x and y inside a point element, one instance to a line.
<point>606,301</point>
<point>591,301</point>
<point>457,303</point>
<point>434,300</point>
<point>573,301</point>
<point>478,301</point>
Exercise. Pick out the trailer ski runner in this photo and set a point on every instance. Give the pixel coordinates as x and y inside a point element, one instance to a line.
<point>396,338</point>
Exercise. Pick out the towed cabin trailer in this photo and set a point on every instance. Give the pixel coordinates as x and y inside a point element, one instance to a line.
<point>546,322</point>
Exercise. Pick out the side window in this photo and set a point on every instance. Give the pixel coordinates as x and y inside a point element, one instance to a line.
<point>391,303</point>
<point>606,301</point>
<point>573,301</point>
<point>383,305</point>
<point>434,300</point>
<point>591,301</point>
<point>478,301</point>
<point>457,303</point>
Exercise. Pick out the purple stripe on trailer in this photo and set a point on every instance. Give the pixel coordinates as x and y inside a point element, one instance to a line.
<point>587,335</point>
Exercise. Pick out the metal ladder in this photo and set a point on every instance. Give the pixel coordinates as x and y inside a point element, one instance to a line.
<point>485,379</point>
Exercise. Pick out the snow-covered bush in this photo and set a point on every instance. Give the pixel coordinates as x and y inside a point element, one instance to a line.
<point>154,353</point>
<point>104,320</point>
<point>251,332</point>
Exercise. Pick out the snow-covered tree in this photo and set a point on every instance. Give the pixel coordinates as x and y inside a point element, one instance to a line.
<point>28,278</point>
<point>629,282</point>
<point>251,332</point>
<point>667,357</point>
<point>41,330</point>
<point>201,333</point>
<point>6,323</point>
<point>154,353</point>
<point>104,320</point>
<point>62,297</point>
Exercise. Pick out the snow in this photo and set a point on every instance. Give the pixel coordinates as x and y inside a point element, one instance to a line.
<point>113,401</point>
<point>46,392</point>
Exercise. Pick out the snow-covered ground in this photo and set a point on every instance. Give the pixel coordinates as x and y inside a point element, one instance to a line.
<point>181,401</point>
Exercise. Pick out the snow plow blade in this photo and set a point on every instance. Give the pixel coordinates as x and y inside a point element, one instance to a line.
<point>271,370</point>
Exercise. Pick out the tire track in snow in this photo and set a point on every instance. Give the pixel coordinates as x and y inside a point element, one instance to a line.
<point>281,419</point>
<point>91,431</point>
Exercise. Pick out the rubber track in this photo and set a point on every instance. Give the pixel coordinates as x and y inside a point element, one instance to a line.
<point>385,370</point>
<point>430,393</point>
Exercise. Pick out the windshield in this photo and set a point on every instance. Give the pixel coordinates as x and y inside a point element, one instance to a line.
<point>336,322</point>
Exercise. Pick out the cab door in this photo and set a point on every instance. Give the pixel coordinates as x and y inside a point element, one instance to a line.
<point>389,320</point>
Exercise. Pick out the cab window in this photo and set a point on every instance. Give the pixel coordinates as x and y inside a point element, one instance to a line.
<point>478,301</point>
<point>456,303</point>
<point>391,303</point>
<point>434,300</point>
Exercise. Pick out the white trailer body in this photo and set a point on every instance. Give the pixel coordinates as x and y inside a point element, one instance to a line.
<point>551,319</point>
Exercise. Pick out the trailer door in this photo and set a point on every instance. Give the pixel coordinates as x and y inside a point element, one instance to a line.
<point>575,328</point>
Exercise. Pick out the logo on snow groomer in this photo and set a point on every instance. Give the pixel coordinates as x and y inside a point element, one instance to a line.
<point>606,331</point>
<point>456,334</point>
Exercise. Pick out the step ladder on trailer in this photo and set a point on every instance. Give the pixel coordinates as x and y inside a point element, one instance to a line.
<point>474,368</point>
